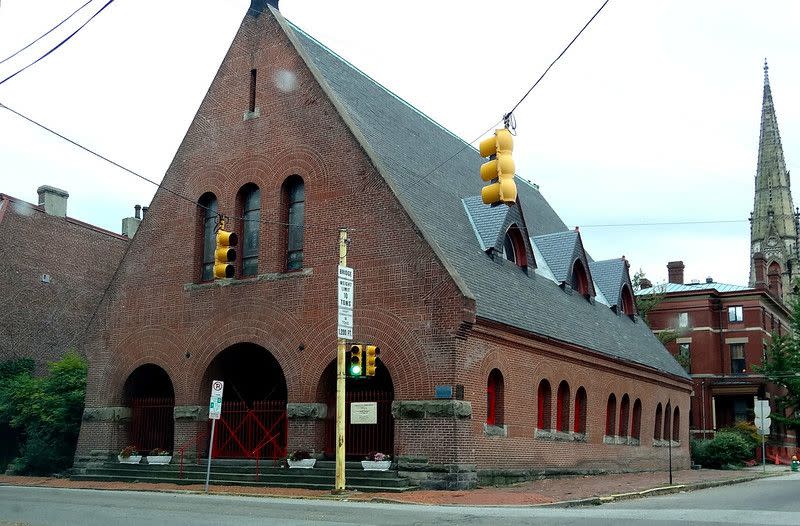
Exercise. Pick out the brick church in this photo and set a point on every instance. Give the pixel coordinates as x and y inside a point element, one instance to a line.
<point>504,345</point>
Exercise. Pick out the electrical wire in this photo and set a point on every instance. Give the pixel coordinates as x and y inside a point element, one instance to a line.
<point>46,33</point>
<point>57,45</point>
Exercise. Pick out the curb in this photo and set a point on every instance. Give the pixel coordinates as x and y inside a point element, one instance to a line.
<point>664,490</point>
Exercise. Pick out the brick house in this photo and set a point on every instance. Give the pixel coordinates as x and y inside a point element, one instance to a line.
<point>503,344</point>
<point>721,331</point>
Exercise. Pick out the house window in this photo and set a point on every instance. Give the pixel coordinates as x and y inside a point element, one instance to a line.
<point>580,411</point>
<point>611,415</point>
<point>624,415</point>
<point>657,428</point>
<point>737,358</point>
<point>683,320</point>
<point>740,410</point>
<point>207,212</point>
<point>562,407</point>
<point>684,357</point>
<point>294,195</point>
<point>735,314</point>
<point>494,398</point>
<point>514,247</point>
<point>250,206</point>
<point>543,406</point>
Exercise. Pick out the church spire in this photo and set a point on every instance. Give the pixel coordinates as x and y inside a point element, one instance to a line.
<point>773,224</point>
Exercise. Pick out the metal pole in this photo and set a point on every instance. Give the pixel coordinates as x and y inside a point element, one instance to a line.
<point>210,450</point>
<point>340,385</point>
<point>703,406</point>
<point>669,437</point>
<point>763,443</point>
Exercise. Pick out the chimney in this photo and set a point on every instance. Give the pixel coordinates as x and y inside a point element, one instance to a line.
<point>144,211</point>
<point>709,280</point>
<point>54,200</point>
<point>760,268</point>
<point>675,272</point>
<point>645,283</point>
<point>131,224</point>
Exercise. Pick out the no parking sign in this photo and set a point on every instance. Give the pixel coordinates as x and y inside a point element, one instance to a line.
<point>215,405</point>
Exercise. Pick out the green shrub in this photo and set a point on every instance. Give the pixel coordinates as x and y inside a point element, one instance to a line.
<point>697,450</point>
<point>726,448</point>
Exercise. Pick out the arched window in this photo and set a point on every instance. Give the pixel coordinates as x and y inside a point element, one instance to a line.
<point>294,198</point>
<point>626,301</point>
<point>250,207</point>
<point>543,406</point>
<point>580,411</point>
<point>636,420</point>
<point>494,398</point>
<point>657,428</point>
<point>207,215</point>
<point>562,407</point>
<point>611,415</point>
<point>624,415</point>
<point>514,247</point>
<point>580,280</point>
<point>774,279</point>
<point>676,425</point>
<point>667,421</point>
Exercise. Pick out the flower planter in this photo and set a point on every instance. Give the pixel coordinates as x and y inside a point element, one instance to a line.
<point>306,463</point>
<point>133,459</point>
<point>376,465</point>
<point>159,460</point>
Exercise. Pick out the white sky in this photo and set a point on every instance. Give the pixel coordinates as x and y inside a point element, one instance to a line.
<point>652,116</point>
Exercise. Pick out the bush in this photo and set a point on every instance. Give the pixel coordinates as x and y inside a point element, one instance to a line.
<point>726,449</point>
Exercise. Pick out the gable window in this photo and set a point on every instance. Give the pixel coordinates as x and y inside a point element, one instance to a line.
<point>250,205</point>
<point>627,301</point>
<point>494,398</point>
<point>735,314</point>
<point>683,320</point>
<point>580,281</point>
<point>737,358</point>
<point>294,196</point>
<point>514,247</point>
<point>207,212</point>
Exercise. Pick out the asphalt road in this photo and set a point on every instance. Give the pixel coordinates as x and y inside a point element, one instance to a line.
<point>774,501</point>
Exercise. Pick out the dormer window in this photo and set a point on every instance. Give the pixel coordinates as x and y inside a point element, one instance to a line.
<point>514,247</point>
<point>580,281</point>
<point>626,301</point>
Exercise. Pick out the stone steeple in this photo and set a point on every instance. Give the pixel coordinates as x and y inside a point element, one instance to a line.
<point>774,222</point>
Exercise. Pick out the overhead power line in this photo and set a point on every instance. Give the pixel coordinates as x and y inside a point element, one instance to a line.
<point>45,34</point>
<point>668,223</point>
<point>57,45</point>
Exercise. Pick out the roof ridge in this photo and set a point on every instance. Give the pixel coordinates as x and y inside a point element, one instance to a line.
<point>355,68</point>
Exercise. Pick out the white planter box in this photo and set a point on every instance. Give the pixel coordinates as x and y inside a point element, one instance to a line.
<point>159,460</point>
<point>133,459</point>
<point>376,465</point>
<point>306,463</point>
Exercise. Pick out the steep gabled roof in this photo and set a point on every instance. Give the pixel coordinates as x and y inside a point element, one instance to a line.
<point>610,275</point>
<point>559,250</point>
<point>488,221</point>
<point>407,148</point>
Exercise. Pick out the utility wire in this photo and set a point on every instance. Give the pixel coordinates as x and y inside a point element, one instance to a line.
<point>57,45</point>
<point>45,34</point>
<point>667,223</point>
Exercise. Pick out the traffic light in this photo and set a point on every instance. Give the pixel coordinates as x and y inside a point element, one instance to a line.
<point>356,361</point>
<point>225,253</point>
<point>372,354</point>
<point>499,169</point>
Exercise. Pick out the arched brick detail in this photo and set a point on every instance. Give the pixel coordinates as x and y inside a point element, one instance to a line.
<point>401,353</point>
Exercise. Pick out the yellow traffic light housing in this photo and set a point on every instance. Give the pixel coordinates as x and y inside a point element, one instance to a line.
<point>372,352</point>
<point>356,361</point>
<point>225,253</point>
<point>500,168</point>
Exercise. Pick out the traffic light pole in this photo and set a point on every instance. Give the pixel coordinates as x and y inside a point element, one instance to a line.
<point>340,384</point>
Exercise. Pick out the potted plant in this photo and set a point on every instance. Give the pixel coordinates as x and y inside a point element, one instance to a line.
<point>159,456</point>
<point>376,461</point>
<point>300,459</point>
<point>129,455</point>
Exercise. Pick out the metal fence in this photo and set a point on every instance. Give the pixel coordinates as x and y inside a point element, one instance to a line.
<point>255,429</point>
<point>361,439</point>
<point>152,423</point>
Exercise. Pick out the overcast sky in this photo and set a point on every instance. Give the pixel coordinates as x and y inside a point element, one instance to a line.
<point>652,116</point>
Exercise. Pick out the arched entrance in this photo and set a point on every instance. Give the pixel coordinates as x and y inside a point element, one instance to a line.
<point>360,439</point>
<point>253,420</point>
<point>148,392</point>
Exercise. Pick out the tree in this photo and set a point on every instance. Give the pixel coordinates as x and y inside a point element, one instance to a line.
<point>781,366</point>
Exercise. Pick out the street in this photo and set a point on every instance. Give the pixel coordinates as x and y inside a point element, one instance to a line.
<point>770,501</point>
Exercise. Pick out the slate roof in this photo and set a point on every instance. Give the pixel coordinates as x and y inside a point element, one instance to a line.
<point>559,249</point>
<point>487,220</point>
<point>609,276</point>
<point>406,147</point>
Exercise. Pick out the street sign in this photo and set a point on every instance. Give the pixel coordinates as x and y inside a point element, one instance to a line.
<point>215,404</point>
<point>761,408</point>
<point>763,424</point>
<point>346,299</point>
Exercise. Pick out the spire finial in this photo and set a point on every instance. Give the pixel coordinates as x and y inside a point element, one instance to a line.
<point>766,72</point>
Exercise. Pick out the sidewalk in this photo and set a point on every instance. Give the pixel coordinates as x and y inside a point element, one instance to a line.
<point>540,492</point>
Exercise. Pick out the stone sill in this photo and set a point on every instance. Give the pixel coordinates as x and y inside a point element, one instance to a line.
<point>666,443</point>
<point>559,436</point>
<point>232,282</point>
<point>495,431</point>
<point>621,441</point>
